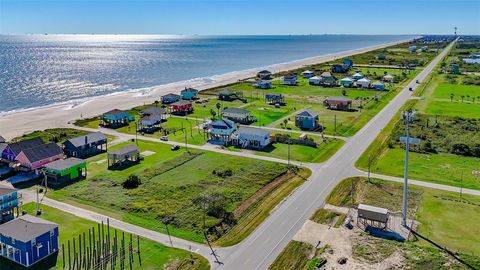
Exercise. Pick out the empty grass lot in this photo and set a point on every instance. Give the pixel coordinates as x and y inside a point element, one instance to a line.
<point>172,186</point>
<point>153,255</point>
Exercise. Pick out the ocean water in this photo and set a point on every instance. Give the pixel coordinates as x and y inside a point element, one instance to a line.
<point>40,70</point>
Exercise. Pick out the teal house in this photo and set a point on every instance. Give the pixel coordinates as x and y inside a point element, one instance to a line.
<point>379,86</point>
<point>116,118</point>
<point>189,93</point>
<point>8,201</point>
<point>346,82</point>
<point>220,131</point>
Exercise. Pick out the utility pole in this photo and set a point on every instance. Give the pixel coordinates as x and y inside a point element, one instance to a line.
<point>407,117</point>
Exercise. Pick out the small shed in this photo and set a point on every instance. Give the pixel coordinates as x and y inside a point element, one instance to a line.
<point>379,86</point>
<point>357,76</point>
<point>308,74</point>
<point>307,120</point>
<point>189,93</point>
<point>63,171</point>
<point>264,75</point>
<point>181,107</point>
<point>27,240</point>
<point>170,98</point>
<point>363,83</point>
<point>376,216</point>
<point>290,79</point>
<point>124,156</point>
<point>86,145</point>
<point>346,82</point>
<point>338,103</point>
<point>315,80</point>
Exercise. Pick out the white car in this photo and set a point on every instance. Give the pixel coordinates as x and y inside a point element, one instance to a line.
<point>164,138</point>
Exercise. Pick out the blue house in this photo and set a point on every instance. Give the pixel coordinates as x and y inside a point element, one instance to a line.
<point>189,93</point>
<point>170,98</point>
<point>263,84</point>
<point>290,79</point>
<point>379,86</point>
<point>8,201</point>
<point>307,120</point>
<point>116,118</point>
<point>220,131</point>
<point>342,68</point>
<point>27,240</point>
<point>346,82</point>
<point>248,137</point>
<point>86,145</point>
<point>357,76</point>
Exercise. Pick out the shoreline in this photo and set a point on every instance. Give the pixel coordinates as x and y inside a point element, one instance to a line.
<point>18,122</point>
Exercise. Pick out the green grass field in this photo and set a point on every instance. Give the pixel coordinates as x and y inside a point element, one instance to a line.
<point>458,109</point>
<point>153,255</point>
<point>172,186</point>
<point>445,217</point>
<point>444,90</point>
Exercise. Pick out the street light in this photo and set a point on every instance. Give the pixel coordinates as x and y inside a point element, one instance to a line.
<point>407,117</point>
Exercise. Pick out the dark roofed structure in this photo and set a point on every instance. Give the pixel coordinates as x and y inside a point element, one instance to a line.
<point>86,145</point>
<point>42,152</point>
<point>2,140</point>
<point>153,111</point>
<point>64,164</point>
<point>115,112</point>
<point>18,147</point>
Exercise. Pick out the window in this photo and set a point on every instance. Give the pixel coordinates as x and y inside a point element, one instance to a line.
<point>34,242</point>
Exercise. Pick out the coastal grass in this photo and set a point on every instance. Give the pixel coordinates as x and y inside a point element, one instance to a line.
<point>441,214</point>
<point>56,135</point>
<point>303,153</point>
<point>153,255</point>
<point>295,256</point>
<point>456,109</point>
<point>254,216</point>
<point>172,186</point>
<point>444,91</point>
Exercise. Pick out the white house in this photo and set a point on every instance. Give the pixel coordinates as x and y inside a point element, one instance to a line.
<point>307,74</point>
<point>249,137</point>
<point>315,80</point>
<point>357,76</point>
<point>363,83</point>
<point>346,82</point>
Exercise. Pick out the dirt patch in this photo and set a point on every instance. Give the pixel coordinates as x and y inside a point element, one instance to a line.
<point>261,193</point>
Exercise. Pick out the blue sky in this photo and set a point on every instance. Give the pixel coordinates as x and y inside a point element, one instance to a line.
<point>218,17</point>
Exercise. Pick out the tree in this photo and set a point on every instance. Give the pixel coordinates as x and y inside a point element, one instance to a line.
<point>468,97</point>
<point>344,92</point>
<point>218,105</point>
<point>462,97</point>
<point>213,113</point>
<point>156,103</point>
<point>285,121</point>
<point>132,181</point>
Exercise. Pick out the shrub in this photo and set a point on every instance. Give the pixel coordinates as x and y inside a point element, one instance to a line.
<point>132,181</point>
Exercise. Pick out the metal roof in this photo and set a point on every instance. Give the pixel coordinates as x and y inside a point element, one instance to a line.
<point>6,188</point>
<point>254,131</point>
<point>124,150</point>
<point>18,147</point>
<point>115,112</point>
<point>86,139</point>
<point>308,113</point>
<point>64,164</point>
<point>171,95</point>
<point>222,123</point>
<point>371,208</point>
<point>347,79</point>
<point>236,111</point>
<point>153,111</point>
<point>42,152</point>
<point>26,228</point>
<point>181,103</point>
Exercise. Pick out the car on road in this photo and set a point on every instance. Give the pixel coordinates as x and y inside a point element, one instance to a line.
<point>175,147</point>
<point>410,89</point>
<point>164,138</point>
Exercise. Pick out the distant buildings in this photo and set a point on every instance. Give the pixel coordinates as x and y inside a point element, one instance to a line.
<point>290,79</point>
<point>346,82</point>
<point>27,240</point>
<point>308,74</point>
<point>170,98</point>
<point>315,80</point>
<point>307,120</point>
<point>116,118</point>
<point>413,49</point>
<point>189,94</point>
<point>230,95</point>
<point>378,86</point>
<point>150,119</point>
<point>181,107</point>
<point>274,99</point>
<point>343,68</point>
<point>357,76</point>
<point>327,79</point>
<point>264,75</point>
<point>338,103</point>
<point>363,83</point>
<point>388,78</point>
<point>238,115</point>
<point>263,84</point>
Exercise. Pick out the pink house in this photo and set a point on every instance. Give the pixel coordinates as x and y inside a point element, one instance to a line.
<point>36,157</point>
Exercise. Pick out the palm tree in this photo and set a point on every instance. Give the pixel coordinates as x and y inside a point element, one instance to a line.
<point>473,100</point>
<point>468,97</point>
<point>462,97</point>
<point>213,113</point>
<point>218,105</point>
<point>156,103</point>
<point>451,97</point>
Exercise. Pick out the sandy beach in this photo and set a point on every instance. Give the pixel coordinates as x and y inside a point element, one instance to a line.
<point>18,123</point>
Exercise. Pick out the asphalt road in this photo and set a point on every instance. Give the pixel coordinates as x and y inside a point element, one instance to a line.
<point>261,248</point>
